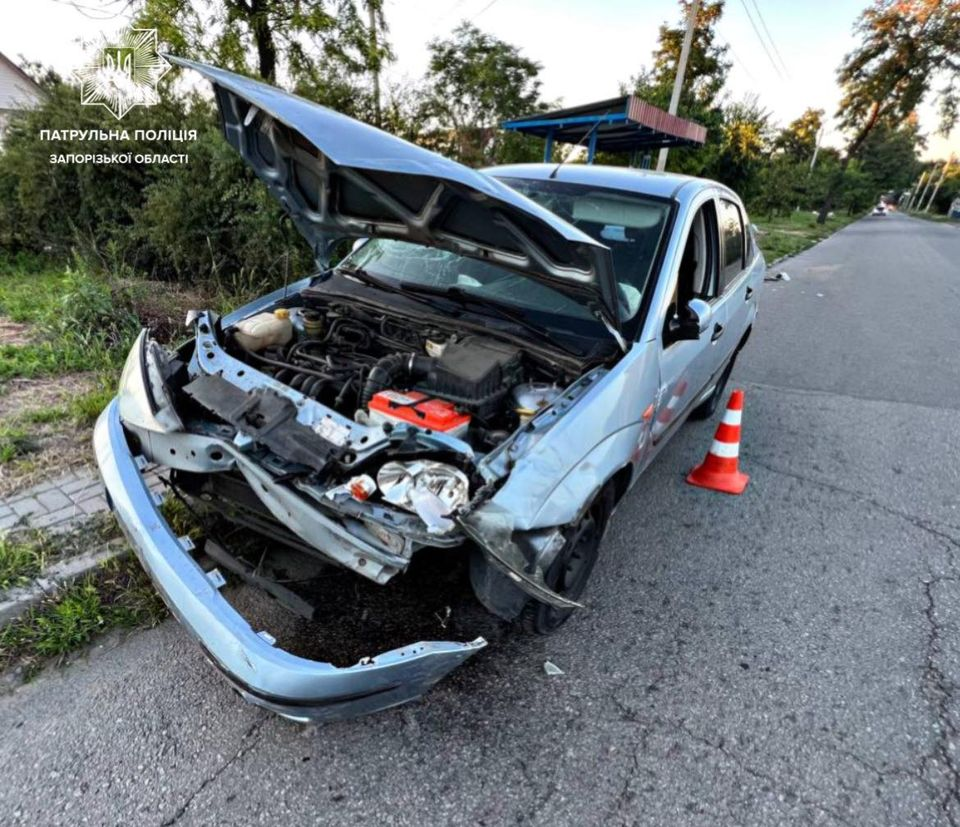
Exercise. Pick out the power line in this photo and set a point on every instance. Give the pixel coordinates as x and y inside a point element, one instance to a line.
<point>736,57</point>
<point>756,31</point>
<point>773,43</point>
<point>482,10</point>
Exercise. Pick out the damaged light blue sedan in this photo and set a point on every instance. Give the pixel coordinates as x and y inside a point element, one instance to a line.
<point>493,365</point>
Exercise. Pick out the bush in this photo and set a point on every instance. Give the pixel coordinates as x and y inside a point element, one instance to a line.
<point>210,218</point>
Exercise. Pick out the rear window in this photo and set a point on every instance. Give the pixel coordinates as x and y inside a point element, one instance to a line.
<point>731,231</point>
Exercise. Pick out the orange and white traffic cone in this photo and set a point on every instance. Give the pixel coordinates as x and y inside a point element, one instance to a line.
<point>720,471</point>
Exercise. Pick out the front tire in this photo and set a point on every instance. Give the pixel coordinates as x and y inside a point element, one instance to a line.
<point>570,571</point>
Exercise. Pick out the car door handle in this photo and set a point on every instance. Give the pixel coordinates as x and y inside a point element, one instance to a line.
<point>749,294</point>
<point>717,332</point>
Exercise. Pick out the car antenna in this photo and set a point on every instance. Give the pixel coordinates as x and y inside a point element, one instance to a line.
<point>579,143</point>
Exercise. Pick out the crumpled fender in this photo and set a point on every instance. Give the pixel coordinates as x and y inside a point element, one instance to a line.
<point>551,482</point>
<point>604,431</point>
<point>491,527</point>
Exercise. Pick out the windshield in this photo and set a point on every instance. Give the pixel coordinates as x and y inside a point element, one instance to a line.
<point>631,225</point>
<point>413,265</point>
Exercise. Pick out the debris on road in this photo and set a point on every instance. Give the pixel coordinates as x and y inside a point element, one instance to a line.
<point>551,669</point>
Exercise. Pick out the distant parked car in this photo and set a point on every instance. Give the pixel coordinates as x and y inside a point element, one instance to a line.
<point>491,367</point>
<point>880,209</point>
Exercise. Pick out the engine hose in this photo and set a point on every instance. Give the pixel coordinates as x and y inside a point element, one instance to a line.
<point>396,370</point>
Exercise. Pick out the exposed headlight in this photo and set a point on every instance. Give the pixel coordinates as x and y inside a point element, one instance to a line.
<point>143,398</point>
<point>431,490</point>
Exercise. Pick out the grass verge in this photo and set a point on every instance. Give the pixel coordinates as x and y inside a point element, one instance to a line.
<point>926,216</point>
<point>25,554</point>
<point>118,595</point>
<point>787,235</point>
<point>20,561</point>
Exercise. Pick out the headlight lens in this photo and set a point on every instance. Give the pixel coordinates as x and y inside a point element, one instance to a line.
<point>431,490</point>
<point>143,398</point>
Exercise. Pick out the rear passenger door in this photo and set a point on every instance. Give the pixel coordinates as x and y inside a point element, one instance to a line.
<point>733,290</point>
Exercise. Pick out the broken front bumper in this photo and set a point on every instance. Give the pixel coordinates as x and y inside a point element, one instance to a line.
<point>297,688</point>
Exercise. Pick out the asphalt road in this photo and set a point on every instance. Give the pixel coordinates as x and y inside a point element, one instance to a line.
<point>788,656</point>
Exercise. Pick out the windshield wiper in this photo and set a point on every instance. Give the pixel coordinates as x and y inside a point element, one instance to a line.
<point>462,296</point>
<point>370,280</point>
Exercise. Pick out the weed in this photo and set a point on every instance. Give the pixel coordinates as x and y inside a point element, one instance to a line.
<point>20,561</point>
<point>14,443</point>
<point>118,595</point>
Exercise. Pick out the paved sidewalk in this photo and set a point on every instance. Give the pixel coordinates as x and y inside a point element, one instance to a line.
<point>59,504</point>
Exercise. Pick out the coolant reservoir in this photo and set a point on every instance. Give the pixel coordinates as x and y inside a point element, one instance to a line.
<point>532,397</point>
<point>264,330</point>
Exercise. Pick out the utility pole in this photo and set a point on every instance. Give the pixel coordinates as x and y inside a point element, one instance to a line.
<point>915,190</point>
<point>943,174</point>
<point>375,55</point>
<point>681,70</point>
<point>926,187</point>
<point>816,148</point>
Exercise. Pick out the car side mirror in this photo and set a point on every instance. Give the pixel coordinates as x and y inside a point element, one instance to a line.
<point>701,314</point>
<point>692,324</point>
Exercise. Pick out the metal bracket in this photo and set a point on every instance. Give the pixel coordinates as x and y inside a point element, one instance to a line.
<point>217,580</point>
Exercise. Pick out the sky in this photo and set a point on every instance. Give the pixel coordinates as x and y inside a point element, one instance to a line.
<point>585,48</point>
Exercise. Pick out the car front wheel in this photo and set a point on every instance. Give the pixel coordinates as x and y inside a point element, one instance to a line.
<point>570,571</point>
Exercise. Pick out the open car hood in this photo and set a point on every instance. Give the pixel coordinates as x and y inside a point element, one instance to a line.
<point>339,178</point>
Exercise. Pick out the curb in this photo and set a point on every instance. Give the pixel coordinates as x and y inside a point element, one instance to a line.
<point>17,602</point>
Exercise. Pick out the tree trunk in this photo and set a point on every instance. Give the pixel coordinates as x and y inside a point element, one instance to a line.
<point>266,48</point>
<point>835,181</point>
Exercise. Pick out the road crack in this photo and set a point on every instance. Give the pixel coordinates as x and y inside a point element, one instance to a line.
<point>940,692</point>
<point>913,519</point>
<point>249,740</point>
<point>773,782</point>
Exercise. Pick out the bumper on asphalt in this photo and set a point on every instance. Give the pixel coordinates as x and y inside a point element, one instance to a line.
<point>265,675</point>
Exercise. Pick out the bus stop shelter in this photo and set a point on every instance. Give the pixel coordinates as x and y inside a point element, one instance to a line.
<point>624,124</point>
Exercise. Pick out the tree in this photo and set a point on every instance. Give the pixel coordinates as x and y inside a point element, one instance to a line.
<point>889,156</point>
<point>798,140</point>
<point>745,136</point>
<point>705,77</point>
<point>906,47</point>
<point>475,82</point>
<point>270,38</point>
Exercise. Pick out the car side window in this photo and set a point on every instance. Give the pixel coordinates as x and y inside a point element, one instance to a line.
<point>731,231</point>
<point>697,275</point>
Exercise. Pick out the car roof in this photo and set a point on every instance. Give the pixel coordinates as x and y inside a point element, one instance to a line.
<point>629,179</point>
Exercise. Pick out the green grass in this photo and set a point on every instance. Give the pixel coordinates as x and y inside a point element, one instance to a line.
<point>82,410</point>
<point>118,595</point>
<point>25,553</point>
<point>15,443</point>
<point>79,321</point>
<point>20,561</point>
<point>928,216</point>
<point>787,235</point>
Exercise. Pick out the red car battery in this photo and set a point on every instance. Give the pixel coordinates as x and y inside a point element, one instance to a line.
<point>418,409</point>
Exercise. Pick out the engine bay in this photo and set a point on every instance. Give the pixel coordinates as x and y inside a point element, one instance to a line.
<point>379,369</point>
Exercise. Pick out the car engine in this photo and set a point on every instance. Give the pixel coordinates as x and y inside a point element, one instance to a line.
<point>379,369</point>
